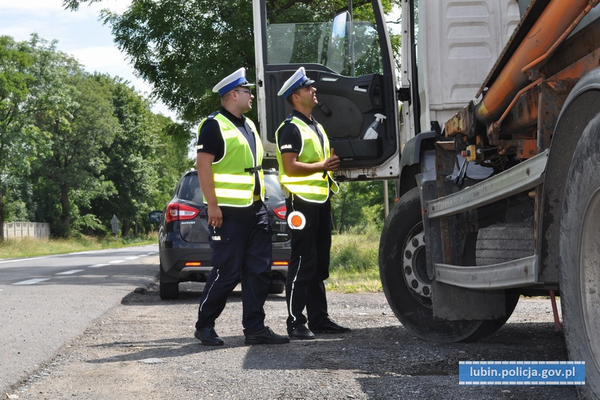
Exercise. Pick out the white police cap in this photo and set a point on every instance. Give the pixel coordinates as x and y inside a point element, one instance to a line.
<point>298,80</point>
<point>238,78</point>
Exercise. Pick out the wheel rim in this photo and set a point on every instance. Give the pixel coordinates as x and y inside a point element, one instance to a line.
<point>415,267</point>
<point>589,260</point>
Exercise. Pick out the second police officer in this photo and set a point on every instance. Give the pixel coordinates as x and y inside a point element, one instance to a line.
<point>305,165</point>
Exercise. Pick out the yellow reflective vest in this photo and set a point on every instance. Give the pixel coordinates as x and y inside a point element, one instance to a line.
<point>314,188</point>
<point>234,184</point>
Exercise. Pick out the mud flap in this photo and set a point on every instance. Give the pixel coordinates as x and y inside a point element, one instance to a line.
<point>453,303</point>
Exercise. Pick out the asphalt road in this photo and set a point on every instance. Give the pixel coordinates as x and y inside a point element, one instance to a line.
<point>144,348</point>
<point>46,302</point>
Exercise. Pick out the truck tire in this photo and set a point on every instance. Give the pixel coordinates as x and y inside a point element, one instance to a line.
<point>579,258</point>
<point>406,284</point>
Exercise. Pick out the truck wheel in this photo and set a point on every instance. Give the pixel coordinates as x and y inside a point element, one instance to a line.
<point>405,282</point>
<point>579,258</point>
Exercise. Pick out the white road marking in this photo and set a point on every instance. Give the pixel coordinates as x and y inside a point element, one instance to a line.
<point>20,259</point>
<point>71,272</point>
<point>31,281</point>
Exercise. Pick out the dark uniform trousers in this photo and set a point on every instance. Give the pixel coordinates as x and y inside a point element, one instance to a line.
<point>309,263</point>
<point>241,251</point>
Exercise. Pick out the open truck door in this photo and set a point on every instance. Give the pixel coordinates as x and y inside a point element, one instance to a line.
<point>353,69</point>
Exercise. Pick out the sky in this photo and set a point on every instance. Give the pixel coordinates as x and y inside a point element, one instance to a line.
<point>79,34</point>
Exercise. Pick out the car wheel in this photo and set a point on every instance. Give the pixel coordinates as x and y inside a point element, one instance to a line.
<point>168,290</point>
<point>276,286</point>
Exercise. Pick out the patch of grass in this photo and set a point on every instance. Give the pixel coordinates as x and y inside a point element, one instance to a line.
<point>354,263</point>
<point>28,247</point>
<point>354,282</point>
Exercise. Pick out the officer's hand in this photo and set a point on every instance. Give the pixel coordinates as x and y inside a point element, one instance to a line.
<point>215,216</point>
<point>333,162</point>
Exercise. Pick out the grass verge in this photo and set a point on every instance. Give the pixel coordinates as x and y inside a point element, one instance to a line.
<point>354,264</point>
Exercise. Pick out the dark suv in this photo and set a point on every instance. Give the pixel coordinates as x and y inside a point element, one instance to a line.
<point>184,251</point>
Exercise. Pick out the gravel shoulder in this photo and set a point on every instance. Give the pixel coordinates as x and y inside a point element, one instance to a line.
<point>144,348</point>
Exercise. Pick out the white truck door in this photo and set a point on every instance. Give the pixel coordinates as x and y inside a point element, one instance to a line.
<point>352,65</point>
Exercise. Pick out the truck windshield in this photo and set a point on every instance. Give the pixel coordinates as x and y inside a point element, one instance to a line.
<point>347,48</point>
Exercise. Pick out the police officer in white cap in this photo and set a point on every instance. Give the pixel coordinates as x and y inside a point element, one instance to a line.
<point>305,164</point>
<point>229,162</point>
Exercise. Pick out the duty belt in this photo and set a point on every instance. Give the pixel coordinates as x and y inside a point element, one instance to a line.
<point>253,169</point>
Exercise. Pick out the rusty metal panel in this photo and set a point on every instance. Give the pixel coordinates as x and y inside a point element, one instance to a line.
<point>462,123</point>
<point>522,117</point>
<point>552,97</point>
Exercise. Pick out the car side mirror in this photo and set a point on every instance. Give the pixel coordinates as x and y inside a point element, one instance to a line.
<point>155,216</point>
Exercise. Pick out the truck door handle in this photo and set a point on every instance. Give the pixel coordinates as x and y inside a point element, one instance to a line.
<point>325,109</point>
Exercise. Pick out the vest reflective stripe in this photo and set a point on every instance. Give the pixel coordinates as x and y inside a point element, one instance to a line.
<point>234,186</point>
<point>235,179</point>
<point>298,184</point>
<point>315,187</point>
<point>307,190</point>
<point>232,194</point>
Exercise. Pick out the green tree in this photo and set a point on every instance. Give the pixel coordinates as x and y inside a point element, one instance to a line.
<point>359,206</point>
<point>171,158</point>
<point>76,148</point>
<point>16,133</point>
<point>138,158</point>
<point>75,117</point>
<point>130,155</point>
